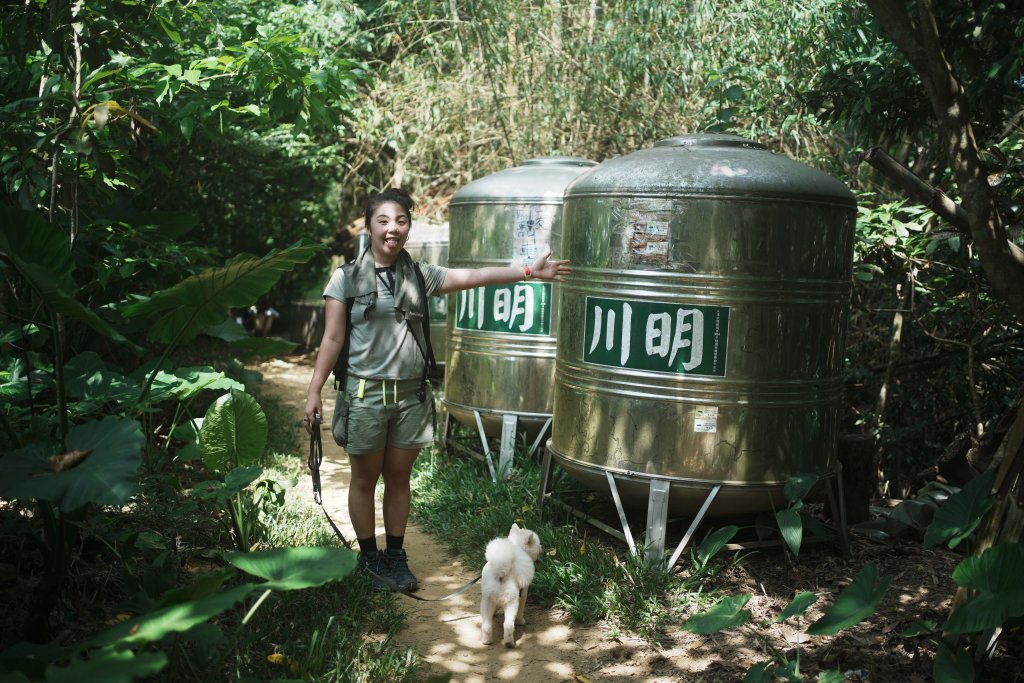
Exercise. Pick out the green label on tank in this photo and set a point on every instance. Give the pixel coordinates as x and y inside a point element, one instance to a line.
<point>682,339</point>
<point>520,308</point>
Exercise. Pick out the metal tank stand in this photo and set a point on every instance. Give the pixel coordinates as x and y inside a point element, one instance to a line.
<point>657,520</point>
<point>657,515</point>
<point>509,423</point>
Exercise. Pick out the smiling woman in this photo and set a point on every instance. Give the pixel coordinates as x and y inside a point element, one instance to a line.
<point>383,417</point>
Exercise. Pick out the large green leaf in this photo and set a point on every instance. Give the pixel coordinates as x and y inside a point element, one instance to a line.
<point>41,253</point>
<point>792,528</point>
<point>856,603</point>
<point>799,605</point>
<point>227,330</point>
<point>109,666</point>
<point>713,544</point>
<point>234,483</point>
<point>177,618</point>
<point>29,239</point>
<point>234,432</point>
<point>960,515</point>
<point>799,485</point>
<point>106,475</point>
<point>182,311</point>
<point>762,672</point>
<point>31,659</point>
<point>952,666</point>
<point>88,377</point>
<point>185,383</point>
<point>996,575</point>
<point>204,585</point>
<point>726,613</point>
<point>295,568</point>
<point>263,346</point>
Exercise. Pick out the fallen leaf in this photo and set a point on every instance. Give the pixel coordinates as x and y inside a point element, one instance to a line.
<point>795,637</point>
<point>65,461</point>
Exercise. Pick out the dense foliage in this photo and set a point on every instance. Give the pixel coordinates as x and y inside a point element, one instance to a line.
<point>148,149</point>
<point>152,149</point>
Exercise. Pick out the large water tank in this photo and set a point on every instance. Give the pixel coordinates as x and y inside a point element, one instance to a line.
<point>501,339</point>
<point>428,243</point>
<point>702,332</point>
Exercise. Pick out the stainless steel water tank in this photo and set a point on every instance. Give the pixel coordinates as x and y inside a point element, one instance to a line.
<point>702,332</point>
<point>428,243</point>
<point>501,339</point>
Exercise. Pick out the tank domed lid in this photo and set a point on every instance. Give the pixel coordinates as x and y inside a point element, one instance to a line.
<point>540,180</point>
<point>709,140</point>
<point>710,164</point>
<point>559,161</point>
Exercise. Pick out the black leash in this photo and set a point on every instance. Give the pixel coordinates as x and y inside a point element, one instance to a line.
<point>316,457</point>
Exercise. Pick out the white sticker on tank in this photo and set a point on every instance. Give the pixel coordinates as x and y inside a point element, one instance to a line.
<point>705,419</point>
<point>529,233</point>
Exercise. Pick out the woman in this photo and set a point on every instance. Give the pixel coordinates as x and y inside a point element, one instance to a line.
<point>388,420</point>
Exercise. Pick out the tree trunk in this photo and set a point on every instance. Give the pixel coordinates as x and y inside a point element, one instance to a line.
<point>918,39</point>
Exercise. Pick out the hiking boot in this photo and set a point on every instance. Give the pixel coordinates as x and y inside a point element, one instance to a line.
<point>399,562</point>
<point>379,567</point>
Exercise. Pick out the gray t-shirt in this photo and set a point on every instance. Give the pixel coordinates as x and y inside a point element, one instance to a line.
<point>382,346</point>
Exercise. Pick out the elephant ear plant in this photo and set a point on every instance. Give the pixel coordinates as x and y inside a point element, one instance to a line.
<point>75,432</point>
<point>231,440</point>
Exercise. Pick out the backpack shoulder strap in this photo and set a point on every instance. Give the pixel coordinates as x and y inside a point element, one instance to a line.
<point>428,355</point>
<point>341,365</point>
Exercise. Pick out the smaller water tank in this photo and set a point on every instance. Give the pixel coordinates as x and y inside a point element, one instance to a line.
<point>501,343</point>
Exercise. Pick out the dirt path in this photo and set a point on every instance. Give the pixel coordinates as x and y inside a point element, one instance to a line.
<point>447,634</point>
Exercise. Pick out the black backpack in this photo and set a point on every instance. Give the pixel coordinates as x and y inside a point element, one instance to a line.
<point>429,362</point>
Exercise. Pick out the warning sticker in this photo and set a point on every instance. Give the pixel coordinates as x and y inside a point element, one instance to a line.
<point>648,231</point>
<point>705,419</point>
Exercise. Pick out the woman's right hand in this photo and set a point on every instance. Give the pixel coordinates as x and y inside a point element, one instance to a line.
<point>314,409</point>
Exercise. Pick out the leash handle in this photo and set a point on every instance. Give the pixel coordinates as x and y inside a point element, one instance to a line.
<point>316,456</point>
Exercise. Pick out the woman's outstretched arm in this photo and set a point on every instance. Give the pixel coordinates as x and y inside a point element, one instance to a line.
<point>544,268</point>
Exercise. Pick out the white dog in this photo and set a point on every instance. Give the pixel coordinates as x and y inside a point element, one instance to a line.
<point>505,579</point>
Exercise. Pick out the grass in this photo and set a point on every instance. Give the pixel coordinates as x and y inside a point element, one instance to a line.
<point>339,632</point>
<point>581,572</point>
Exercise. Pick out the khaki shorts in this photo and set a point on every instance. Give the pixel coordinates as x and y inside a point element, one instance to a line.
<point>387,413</point>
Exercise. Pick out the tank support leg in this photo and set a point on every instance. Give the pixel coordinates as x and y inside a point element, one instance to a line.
<point>693,527</point>
<point>508,444</point>
<point>622,513</point>
<point>445,427</point>
<point>536,442</point>
<point>657,520</point>
<point>483,442</point>
<point>545,478</point>
<point>837,503</point>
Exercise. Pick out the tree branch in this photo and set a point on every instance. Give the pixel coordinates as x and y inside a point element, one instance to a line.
<point>930,197</point>
<point>920,43</point>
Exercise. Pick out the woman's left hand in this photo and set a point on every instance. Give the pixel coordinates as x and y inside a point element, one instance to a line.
<point>546,268</point>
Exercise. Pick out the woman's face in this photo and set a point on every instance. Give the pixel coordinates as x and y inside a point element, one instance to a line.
<point>389,229</point>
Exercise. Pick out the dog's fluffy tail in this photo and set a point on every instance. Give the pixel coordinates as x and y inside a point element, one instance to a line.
<point>503,556</point>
